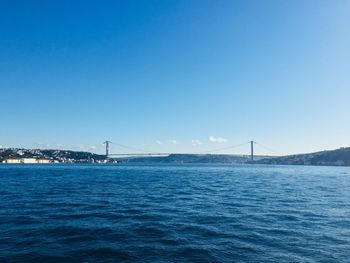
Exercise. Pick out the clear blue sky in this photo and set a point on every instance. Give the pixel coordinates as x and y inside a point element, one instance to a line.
<point>167,75</point>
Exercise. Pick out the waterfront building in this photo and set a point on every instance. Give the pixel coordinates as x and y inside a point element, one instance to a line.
<point>12,160</point>
<point>43,161</point>
<point>29,160</point>
<point>26,160</point>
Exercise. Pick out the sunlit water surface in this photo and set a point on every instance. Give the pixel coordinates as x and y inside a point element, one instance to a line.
<point>174,213</point>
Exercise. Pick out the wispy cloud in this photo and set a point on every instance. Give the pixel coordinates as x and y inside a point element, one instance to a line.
<point>196,142</point>
<point>217,139</point>
<point>158,142</point>
<point>42,145</point>
<point>61,146</point>
<point>172,141</point>
<point>79,147</point>
<point>92,148</point>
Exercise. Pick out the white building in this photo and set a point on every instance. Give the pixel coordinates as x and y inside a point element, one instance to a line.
<point>14,160</point>
<point>43,161</point>
<point>29,160</point>
<point>26,160</point>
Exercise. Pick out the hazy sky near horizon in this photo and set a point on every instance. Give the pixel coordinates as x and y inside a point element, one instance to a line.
<point>175,76</point>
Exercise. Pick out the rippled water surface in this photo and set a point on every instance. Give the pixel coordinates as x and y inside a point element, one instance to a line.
<point>184,213</point>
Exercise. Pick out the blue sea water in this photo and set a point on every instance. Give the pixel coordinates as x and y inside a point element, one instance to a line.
<point>174,213</point>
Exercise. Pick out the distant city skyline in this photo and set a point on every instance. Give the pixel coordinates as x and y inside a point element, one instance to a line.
<point>175,76</point>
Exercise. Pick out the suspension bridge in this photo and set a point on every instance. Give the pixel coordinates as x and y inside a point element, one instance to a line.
<point>144,153</point>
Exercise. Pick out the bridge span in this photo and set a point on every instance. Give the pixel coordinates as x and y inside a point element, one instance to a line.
<point>142,152</point>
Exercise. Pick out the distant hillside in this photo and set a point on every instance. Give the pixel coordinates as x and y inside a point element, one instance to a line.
<point>339,157</point>
<point>53,155</point>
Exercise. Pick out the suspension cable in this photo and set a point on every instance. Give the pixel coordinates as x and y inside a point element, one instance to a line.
<point>132,148</point>
<point>269,149</point>
<point>221,149</point>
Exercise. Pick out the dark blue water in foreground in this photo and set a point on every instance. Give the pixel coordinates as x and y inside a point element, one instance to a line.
<point>185,213</point>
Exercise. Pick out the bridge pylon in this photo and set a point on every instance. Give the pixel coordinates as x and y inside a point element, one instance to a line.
<point>107,147</point>
<point>252,151</point>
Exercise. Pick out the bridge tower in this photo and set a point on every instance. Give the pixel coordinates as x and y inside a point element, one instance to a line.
<point>252,150</point>
<point>107,147</point>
